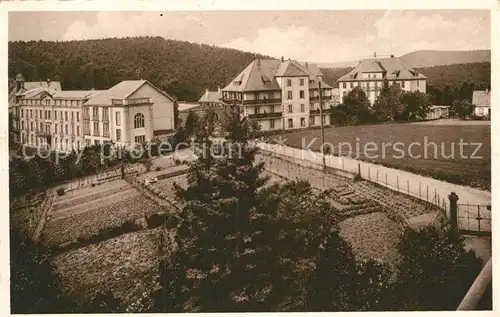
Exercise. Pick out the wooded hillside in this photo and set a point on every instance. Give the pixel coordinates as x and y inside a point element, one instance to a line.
<point>183,69</point>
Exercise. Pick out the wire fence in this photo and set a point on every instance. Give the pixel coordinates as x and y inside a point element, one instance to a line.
<point>427,189</point>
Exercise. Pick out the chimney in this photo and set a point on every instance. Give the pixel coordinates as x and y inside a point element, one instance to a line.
<point>307,64</point>
<point>375,54</point>
<point>218,89</point>
<point>48,83</point>
<point>206,90</point>
<point>392,56</point>
<point>282,59</point>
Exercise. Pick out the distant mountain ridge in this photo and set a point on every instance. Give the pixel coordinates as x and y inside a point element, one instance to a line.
<point>428,58</point>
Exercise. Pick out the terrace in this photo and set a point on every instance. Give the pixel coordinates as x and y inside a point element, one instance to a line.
<point>265,115</point>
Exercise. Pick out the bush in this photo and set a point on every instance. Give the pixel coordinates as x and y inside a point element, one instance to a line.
<point>156,220</point>
<point>184,162</point>
<point>177,162</point>
<point>60,191</point>
<point>158,169</point>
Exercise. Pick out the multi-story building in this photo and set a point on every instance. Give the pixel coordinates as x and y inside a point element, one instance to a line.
<point>370,75</point>
<point>63,120</point>
<point>481,99</point>
<point>280,94</point>
<point>17,89</point>
<point>133,111</point>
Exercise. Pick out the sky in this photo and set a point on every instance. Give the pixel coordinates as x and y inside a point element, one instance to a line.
<point>315,36</point>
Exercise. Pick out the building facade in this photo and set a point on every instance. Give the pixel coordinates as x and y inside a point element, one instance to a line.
<point>131,111</point>
<point>280,94</point>
<point>370,75</point>
<point>481,99</point>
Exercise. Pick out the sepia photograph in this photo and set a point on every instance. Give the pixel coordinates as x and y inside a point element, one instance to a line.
<point>212,161</point>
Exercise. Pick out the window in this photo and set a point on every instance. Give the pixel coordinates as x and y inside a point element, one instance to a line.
<point>344,85</point>
<point>289,83</point>
<point>290,123</point>
<point>55,128</point>
<point>312,120</point>
<point>302,94</point>
<point>77,145</point>
<point>31,113</point>
<point>117,118</point>
<point>140,139</point>
<point>105,129</point>
<point>96,128</point>
<point>418,83</point>
<point>118,134</point>
<point>86,128</point>
<point>72,115</point>
<point>257,110</point>
<point>66,128</point>
<point>324,119</point>
<point>271,124</point>
<point>301,81</point>
<point>22,125</point>
<point>77,131</point>
<point>31,126</point>
<point>95,113</point>
<point>290,108</point>
<point>66,115</point>
<point>66,147</point>
<point>22,112</point>
<point>302,122</point>
<point>105,116</point>
<point>290,95</point>
<point>302,108</point>
<point>55,114</point>
<point>40,114</point>
<point>77,117</point>
<point>138,121</point>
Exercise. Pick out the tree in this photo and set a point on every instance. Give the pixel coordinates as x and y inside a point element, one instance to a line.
<point>191,122</point>
<point>435,272</point>
<point>415,105</point>
<point>388,105</point>
<point>462,108</point>
<point>34,284</point>
<point>356,107</point>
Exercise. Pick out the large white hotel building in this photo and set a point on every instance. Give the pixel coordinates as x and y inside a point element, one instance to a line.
<point>131,111</point>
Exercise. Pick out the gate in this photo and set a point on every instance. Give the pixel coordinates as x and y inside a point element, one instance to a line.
<point>474,219</point>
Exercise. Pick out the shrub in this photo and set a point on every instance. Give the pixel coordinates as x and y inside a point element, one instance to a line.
<point>185,162</point>
<point>158,169</point>
<point>60,191</point>
<point>156,220</point>
<point>177,162</point>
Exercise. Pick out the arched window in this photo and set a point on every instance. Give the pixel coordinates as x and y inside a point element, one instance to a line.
<point>139,121</point>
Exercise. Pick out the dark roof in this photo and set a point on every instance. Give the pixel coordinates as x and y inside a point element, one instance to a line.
<point>393,68</point>
<point>481,98</point>
<point>291,69</point>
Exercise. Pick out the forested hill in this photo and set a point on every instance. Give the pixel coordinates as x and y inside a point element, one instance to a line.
<point>478,74</point>
<point>183,69</point>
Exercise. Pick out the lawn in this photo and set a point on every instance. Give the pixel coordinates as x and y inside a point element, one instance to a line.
<point>445,161</point>
<point>126,266</point>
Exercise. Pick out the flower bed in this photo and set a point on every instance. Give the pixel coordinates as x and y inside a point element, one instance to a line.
<point>126,266</point>
<point>87,220</point>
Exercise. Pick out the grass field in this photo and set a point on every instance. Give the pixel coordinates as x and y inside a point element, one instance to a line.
<point>444,161</point>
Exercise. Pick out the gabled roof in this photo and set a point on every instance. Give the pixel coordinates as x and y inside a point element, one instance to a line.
<point>291,69</point>
<point>122,90</point>
<point>258,75</point>
<point>312,68</point>
<point>393,68</point>
<point>261,75</point>
<point>210,96</point>
<point>481,98</point>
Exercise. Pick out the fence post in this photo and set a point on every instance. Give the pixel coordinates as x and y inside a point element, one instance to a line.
<point>435,195</point>
<point>397,181</point>
<point>342,163</point>
<point>369,176</point>
<point>408,185</point>
<point>419,191</point>
<point>386,183</point>
<point>359,169</point>
<point>377,176</point>
<point>478,218</point>
<point>453,210</point>
<point>427,193</point>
